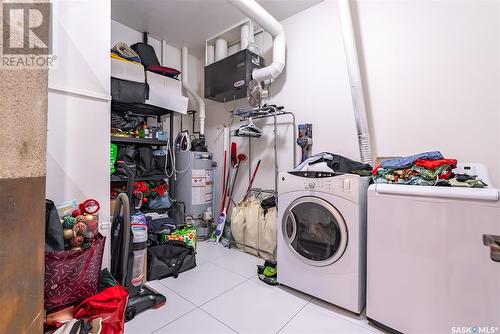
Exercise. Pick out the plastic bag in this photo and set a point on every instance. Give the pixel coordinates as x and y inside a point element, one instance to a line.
<point>72,276</point>
<point>112,161</point>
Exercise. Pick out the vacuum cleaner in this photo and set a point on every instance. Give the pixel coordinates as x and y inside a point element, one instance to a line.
<point>128,254</point>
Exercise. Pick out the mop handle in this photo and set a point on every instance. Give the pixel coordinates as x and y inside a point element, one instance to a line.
<point>251,181</point>
<point>224,182</point>
<point>235,170</point>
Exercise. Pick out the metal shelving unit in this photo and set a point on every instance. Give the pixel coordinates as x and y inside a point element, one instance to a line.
<point>144,110</point>
<point>138,141</point>
<point>274,112</point>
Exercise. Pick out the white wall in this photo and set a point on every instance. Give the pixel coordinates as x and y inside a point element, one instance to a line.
<point>433,77</point>
<point>79,111</point>
<point>432,70</point>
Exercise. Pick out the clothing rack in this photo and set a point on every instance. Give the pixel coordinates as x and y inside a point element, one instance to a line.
<point>266,112</point>
<point>259,191</point>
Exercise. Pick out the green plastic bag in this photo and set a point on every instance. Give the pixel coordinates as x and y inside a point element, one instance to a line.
<point>112,160</point>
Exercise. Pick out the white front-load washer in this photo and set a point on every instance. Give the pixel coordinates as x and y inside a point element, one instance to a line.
<point>322,236</point>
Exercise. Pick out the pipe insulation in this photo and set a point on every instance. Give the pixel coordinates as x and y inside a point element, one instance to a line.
<point>191,91</point>
<point>357,94</point>
<point>267,22</point>
<point>244,36</point>
<point>220,49</point>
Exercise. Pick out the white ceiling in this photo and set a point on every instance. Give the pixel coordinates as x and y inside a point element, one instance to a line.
<point>190,22</point>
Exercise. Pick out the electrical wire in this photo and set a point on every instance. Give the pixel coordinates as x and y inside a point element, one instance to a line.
<point>171,155</point>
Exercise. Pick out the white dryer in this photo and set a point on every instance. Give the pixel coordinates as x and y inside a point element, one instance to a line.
<point>322,236</point>
<point>434,257</point>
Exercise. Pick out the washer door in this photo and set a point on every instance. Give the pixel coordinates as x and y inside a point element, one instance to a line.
<point>314,231</point>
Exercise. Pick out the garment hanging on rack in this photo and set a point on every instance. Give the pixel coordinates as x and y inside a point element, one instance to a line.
<point>248,130</point>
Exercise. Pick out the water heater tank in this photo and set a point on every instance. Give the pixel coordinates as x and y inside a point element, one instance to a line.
<point>194,186</point>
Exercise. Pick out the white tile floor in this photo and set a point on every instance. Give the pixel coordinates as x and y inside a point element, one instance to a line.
<point>223,295</point>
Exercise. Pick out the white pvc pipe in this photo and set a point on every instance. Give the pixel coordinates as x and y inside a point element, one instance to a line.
<point>220,49</point>
<point>191,91</point>
<point>244,36</point>
<point>210,54</point>
<point>267,22</point>
<point>358,97</point>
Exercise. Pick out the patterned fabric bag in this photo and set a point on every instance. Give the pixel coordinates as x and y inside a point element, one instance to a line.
<point>72,276</point>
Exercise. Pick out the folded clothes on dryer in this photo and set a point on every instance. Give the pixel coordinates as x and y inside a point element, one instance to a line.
<point>410,160</point>
<point>426,169</point>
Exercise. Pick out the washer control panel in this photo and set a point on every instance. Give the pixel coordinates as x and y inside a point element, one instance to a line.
<point>323,181</point>
<point>319,184</point>
<point>314,174</point>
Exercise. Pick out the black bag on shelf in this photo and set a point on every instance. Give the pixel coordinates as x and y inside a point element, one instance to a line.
<point>151,62</point>
<point>129,91</point>
<point>128,155</point>
<point>145,161</point>
<point>147,54</point>
<point>170,259</point>
<point>124,121</point>
<point>159,162</point>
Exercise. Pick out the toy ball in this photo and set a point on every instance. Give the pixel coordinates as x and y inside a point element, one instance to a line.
<point>86,244</point>
<point>88,235</point>
<point>76,241</point>
<point>68,222</point>
<point>77,248</point>
<point>81,219</point>
<point>89,206</point>
<point>80,227</point>
<point>92,225</point>
<point>68,234</point>
<point>76,213</point>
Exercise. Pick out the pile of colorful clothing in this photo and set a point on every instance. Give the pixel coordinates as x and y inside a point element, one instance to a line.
<point>426,169</point>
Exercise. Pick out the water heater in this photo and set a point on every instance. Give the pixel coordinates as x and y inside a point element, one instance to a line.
<point>194,184</point>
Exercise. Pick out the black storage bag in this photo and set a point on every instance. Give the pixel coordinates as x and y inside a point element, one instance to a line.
<point>159,162</point>
<point>124,121</point>
<point>127,154</point>
<point>54,240</point>
<point>147,54</point>
<point>170,259</point>
<point>129,91</point>
<point>145,161</point>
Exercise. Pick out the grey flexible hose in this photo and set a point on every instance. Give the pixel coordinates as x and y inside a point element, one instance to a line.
<point>123,201</point>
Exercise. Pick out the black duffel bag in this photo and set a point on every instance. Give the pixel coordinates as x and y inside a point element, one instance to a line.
<point>170,259</point>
